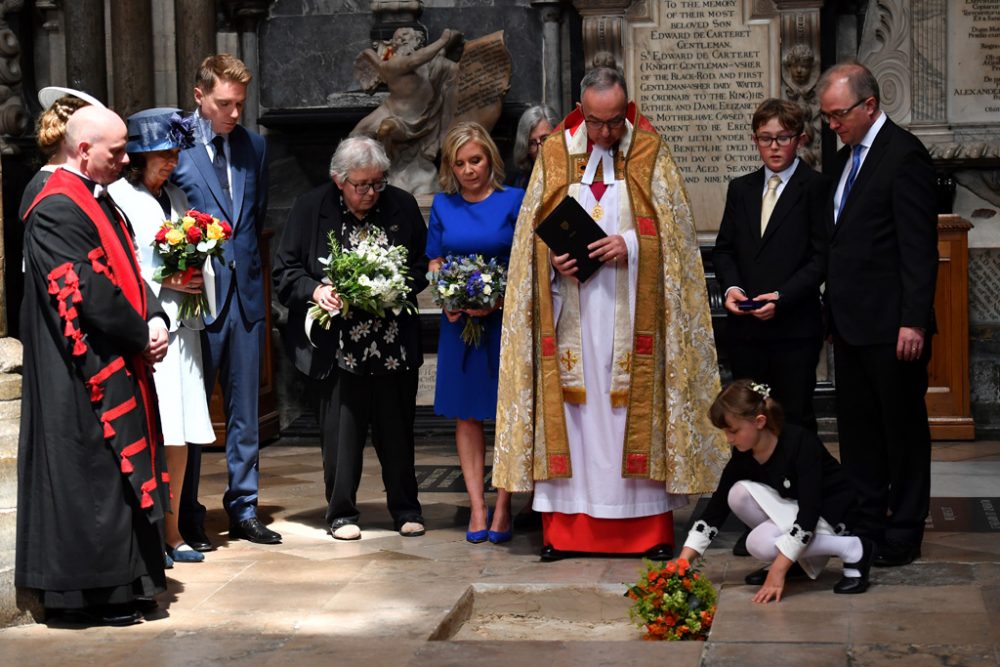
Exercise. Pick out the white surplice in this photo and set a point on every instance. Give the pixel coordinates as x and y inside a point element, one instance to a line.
<point>595,430</point>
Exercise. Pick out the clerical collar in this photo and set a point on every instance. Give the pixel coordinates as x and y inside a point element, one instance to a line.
<point>603,158</point>
<point>96,189</point>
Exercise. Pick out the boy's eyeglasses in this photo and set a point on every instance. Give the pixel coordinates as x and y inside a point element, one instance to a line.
<point>766,140</point>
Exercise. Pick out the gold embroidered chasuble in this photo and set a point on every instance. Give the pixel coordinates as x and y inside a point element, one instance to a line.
<point>669,367</point>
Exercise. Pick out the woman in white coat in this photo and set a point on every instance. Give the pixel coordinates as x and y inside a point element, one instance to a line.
<point>155,137</point>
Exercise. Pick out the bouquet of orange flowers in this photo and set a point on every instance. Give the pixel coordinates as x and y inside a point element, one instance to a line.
<point>673,601</point>
<point>186,244</point>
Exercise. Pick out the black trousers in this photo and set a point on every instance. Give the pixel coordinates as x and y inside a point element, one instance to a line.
<point>348,405</point>
<point>788,366</point>
<point>885,440</point>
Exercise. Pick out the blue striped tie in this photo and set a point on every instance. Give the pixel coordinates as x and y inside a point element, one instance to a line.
<point>855,165</point>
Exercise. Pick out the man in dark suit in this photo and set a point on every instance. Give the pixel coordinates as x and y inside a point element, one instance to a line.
<point>882,270</point>
<point>225,174</point>
<point>771,247</point>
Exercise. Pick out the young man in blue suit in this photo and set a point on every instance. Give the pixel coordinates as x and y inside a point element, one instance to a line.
<point>225,174</point>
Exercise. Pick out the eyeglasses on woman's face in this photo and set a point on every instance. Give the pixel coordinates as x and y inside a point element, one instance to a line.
<point>364,188</point>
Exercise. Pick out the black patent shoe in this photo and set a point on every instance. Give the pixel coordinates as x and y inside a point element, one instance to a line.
<point>253,530</point>
<point>198,541</point>
<point>550,553</point>
<point>893,553</point>
<point>855,585</point>
<point>758,577</point>
<point>660,553</point>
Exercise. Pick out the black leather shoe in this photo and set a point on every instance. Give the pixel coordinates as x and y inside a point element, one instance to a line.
<point>116,615</point>
<point>550,554</point>
<point>758,577</point>
<point>660,553</point>
<point>893,553</point>
<point>145,605</point>
<point>854,585</point>
<point>740,548</point>
<point>197,540</point>
<point>253,530</point>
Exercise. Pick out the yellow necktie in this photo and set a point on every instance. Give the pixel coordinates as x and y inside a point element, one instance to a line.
<point>770,199</point>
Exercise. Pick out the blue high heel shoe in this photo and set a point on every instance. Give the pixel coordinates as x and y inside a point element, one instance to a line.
<point>500,536</point>
<point>479,536</point>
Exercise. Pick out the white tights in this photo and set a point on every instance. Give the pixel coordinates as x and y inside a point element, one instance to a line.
<point>761,543</point>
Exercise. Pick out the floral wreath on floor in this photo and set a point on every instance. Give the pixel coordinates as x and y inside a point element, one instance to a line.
<point>673,601</point>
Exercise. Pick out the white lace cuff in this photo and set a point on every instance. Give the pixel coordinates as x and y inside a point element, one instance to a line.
<point>794,542</point>
<point>701,536</point>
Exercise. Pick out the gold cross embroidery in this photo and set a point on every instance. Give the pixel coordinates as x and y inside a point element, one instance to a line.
<point>625,363</point>
<point>568,359</point>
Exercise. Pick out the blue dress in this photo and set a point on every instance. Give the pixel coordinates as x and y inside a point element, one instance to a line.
<point>467,376</point>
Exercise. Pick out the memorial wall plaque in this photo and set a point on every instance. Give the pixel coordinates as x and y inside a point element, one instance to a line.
<point>697,70</point>
<point>974,61</point>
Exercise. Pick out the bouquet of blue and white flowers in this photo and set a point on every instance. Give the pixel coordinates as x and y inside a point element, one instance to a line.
<point>370,276</point>
<point>468,283</point>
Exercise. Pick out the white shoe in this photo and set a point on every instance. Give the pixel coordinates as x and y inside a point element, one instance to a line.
<point>349,531</point>
<point>412,529</point>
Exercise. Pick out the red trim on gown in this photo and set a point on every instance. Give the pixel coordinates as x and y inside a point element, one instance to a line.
<point>580,532</point>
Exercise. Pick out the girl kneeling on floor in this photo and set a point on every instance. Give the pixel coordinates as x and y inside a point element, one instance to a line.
<point>783,483</point>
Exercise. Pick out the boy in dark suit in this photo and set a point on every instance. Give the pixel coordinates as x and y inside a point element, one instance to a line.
<point>770,260</point>
<point>225,174</point>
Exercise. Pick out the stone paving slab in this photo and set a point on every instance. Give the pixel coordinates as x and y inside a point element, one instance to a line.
<point>377,601</point>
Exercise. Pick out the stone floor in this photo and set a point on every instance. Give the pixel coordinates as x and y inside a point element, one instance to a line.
<point>378,601</point>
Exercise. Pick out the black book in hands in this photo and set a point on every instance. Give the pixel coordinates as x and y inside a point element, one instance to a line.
<point>570,229</point>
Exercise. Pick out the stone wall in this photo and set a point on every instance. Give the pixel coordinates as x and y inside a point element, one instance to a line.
<point>15,606</point>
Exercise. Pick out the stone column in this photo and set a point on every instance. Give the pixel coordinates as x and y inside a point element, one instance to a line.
<point>603,31</point>
<point>246,16</point>
<point>800,66</point>
<point>131,59</point>
<point>86,65</point>
<point>13,120</point>
<point>930,68</point>
<point>195,35</point>
<point>551,14</point>
<point>50,45</point>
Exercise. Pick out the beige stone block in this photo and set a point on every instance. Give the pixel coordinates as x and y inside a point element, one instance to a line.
<point>10,409</point>
<point>8,483</point>
<point>16,607</point>
<point>10,386</point>
<point>10,430</point>
<point>8,533</point>
<point>11,355</point>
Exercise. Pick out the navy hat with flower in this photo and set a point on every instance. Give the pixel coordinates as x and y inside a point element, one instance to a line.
<point>159,129</point>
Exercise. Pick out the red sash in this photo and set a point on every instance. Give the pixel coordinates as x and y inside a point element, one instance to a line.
<point>121,257</point>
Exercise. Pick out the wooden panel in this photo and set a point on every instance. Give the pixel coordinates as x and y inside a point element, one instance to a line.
<point>267,418</point>
<point>948,373</point>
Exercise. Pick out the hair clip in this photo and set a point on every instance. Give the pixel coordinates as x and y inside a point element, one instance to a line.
<point>762,389</point>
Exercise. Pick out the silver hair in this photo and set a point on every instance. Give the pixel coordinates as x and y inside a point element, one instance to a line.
<point>357,153</point>
<point>603,78</point>
<point>529,121</point>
